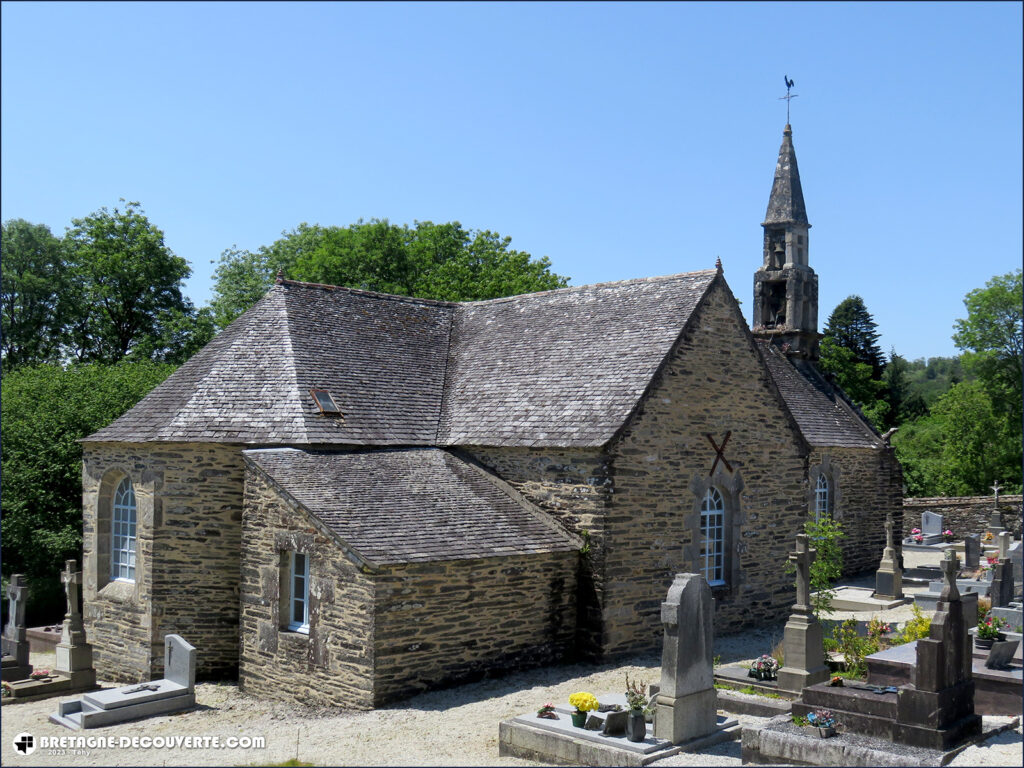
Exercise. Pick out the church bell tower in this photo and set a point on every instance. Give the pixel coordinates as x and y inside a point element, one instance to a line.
<point>785,287</point>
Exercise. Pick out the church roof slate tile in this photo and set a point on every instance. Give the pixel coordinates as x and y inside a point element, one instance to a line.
<point>821,412</point>
<point>410,505</point>
<point>556,368</point>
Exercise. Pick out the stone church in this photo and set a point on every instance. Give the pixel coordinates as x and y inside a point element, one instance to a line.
<point>348,496</point>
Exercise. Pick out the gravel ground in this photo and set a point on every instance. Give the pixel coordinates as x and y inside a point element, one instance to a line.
<point>456,727</point>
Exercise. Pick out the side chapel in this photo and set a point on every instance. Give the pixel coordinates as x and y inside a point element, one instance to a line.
<point>347,496</point>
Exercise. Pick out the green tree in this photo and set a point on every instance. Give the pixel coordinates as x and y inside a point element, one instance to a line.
<point>904,402</point>
<point>126,283</point>
<point>44,411</point>
<point>436,261</point>
<point>991,337</point>
<point>31,309</point>
<point>853,327</point>
<point>856,379</point>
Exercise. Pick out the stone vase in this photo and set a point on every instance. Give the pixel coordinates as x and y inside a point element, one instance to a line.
<point>579,719</point>
<point>636,729</point>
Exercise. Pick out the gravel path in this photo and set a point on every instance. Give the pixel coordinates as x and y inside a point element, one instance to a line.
<point>456,727</point>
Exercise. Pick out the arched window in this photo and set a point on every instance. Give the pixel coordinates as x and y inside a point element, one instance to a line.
<point>821,498</point>
<point>712,545</point>
<point>122,533</point>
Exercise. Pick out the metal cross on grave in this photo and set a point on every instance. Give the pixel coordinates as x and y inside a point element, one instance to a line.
<point>996,489</point>
<point>802,559</point>
<point>71,578</point>
<point>950,568</point>
<point>17,593</point>
<point>719,452</point>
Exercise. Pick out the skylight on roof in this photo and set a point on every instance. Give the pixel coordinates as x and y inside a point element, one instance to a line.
<point>324,401</point>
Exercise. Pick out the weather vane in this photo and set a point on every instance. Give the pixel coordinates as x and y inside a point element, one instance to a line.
<point>788,96</point>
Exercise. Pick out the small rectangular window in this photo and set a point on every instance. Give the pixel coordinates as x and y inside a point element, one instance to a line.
<point>324,401</point>
<point>298,601</point>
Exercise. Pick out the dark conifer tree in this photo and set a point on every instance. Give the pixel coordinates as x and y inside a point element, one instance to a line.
<point>851,326</point>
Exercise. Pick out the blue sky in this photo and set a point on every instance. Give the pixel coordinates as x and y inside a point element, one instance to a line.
<point>620,140</point>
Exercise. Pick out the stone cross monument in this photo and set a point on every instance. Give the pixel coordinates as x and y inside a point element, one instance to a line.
<point>889,576</point>
<point>686,703</point>
<point>802,638</point>
<point>15,644</point>
<point>995,521</point>
<point>74,655</point>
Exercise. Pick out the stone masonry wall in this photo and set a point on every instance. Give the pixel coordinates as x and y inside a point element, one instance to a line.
<point>189,499</point>
<point>574,488</point>
<point>870,485</point>
<point>964,514</point>
<point>333,664</point>
<point>713,384</point>
<point>441,623</point>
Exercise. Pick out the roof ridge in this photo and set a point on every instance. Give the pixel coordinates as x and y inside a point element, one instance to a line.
<point>441,303</point>
<point>607,284</point>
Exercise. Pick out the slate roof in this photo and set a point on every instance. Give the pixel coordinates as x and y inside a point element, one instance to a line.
<point>557,368</point>
<point>411,505</point>
<point>824,417</point>
<point>561,368</point>
<point>786,202</point>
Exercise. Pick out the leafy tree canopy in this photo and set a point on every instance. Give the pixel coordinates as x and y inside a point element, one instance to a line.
<point>34,277</point>
<point>856,379</point>
<point>435,261</point>
<point>44,411</point>
<point>851,326</point>
<point>126,284</point>
<point>991,336</point>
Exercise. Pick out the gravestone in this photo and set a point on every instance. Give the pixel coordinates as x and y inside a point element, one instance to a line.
<point>889,576</point>
<point>972,551</point>
<point>937,709</point>
<point>1001,590</point>
<point>931,523</point>
<point>685,707</point>
<point>15,646</point>
<point>1001,654</point>
<point>802,637</point>
<point>74,654</point>
<point>175,692</point>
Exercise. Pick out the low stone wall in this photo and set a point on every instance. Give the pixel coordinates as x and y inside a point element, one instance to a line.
<point>963,514</point>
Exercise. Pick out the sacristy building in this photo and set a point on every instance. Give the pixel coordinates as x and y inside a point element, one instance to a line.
<point>348,496</point>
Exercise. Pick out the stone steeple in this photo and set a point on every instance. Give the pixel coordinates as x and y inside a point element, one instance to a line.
<point>785,287</point>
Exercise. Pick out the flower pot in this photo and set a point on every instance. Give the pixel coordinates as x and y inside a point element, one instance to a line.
<point>579,719</point>
<point>825,732</point>
<point>636,730</point>
<point>983,643</point>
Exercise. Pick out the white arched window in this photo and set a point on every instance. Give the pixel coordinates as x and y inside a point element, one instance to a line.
<point>122,533</point>
<point>821,510</point>
<point>712,544</point>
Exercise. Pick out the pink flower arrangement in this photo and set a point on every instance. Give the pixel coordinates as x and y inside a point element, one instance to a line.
<point>915,530</point>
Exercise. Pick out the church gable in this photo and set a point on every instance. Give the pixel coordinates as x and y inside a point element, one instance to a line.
<point>712,421</point>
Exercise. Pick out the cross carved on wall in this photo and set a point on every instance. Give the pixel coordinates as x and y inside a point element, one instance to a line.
<point>719,452</point>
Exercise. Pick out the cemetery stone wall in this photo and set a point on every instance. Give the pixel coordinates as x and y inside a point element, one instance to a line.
<point>964,514</point>
<point>189,500</point>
